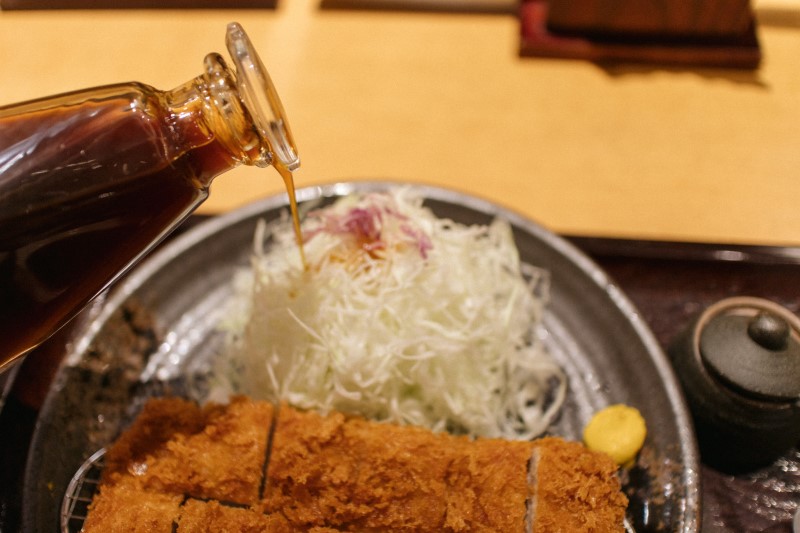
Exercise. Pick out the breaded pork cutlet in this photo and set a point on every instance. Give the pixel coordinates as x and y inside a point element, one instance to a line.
<point>224,461</point>
<point>352,474</point>
<point>175,447</point>
<point>123,504</point>
<point>575,489</point>
<point>487,486</point>
<point>161,420</point>
<point>356,475</point>
<point>125,507</point>
<point>199,469</point>
<point>199,516</point>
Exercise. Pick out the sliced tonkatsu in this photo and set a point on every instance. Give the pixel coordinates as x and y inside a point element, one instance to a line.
<point>185,468</point>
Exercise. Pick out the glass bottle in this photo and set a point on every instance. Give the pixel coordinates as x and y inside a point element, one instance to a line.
<point>90,181</point>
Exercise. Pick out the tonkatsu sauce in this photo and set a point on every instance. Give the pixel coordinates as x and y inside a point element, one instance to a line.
<point>85,188</point>
<point>91,181</point>
<point>288,180</point>
<point>71,217</point>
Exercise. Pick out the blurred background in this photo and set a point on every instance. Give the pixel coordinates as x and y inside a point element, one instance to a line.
<point>685,145</point>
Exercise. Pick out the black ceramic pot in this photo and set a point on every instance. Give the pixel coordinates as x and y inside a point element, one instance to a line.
<point>739,366</point>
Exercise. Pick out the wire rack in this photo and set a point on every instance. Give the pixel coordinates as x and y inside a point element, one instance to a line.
<point>80,491</point>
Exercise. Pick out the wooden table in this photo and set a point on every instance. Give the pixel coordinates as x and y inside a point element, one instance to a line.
<point>633,152</point>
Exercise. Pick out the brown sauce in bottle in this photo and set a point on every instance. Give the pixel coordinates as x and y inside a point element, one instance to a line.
<point>72,222</point>
<point>91,181</point>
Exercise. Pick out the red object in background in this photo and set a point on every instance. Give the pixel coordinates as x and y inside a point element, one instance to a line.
<point>679,19</point>
<point>675,40</point>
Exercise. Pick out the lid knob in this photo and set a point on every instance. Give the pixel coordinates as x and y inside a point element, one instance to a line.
<point>769,331</point>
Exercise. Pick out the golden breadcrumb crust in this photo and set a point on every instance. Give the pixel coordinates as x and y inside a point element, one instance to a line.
<point>358,475</point>
<point>184,468</point>
<point>577,490</point>
<point>126,508</point>
<point>203,516</point>
<point>216,452</point>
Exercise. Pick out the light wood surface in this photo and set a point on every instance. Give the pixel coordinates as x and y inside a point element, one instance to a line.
<point>444,99</point>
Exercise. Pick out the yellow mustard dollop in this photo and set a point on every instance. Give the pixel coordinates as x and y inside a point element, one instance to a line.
<point>618,430</point>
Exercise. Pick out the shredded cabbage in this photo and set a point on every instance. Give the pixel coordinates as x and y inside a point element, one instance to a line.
<point>399,316</point>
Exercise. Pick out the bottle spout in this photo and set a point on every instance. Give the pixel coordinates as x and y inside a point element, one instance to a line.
<point>261,99</point>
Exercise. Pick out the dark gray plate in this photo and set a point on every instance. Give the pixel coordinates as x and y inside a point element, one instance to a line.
<point>155,334</point>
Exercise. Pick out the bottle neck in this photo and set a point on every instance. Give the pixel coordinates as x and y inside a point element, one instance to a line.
<point>209,116</point>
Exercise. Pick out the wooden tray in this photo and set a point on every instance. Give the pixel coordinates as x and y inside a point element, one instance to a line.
<point>539,40</point>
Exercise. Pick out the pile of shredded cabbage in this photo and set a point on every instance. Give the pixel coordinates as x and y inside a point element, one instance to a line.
<point>398,316</point>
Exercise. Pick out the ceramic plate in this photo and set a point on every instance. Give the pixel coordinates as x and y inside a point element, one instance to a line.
<point>155,333</point>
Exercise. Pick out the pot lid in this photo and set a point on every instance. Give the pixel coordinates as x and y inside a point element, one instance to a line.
<point>753,345</point>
